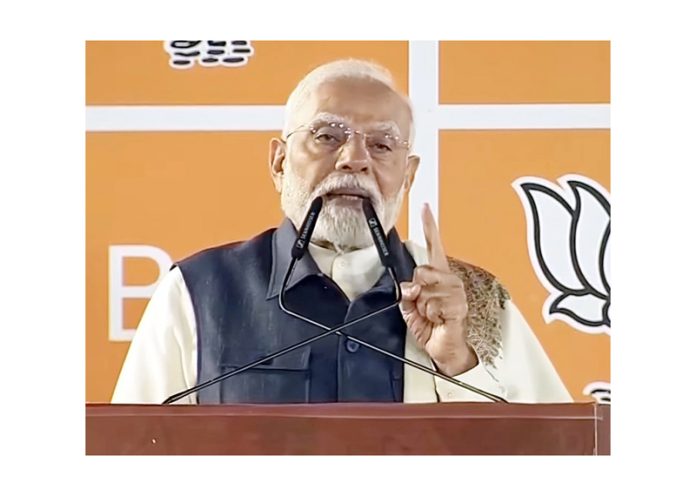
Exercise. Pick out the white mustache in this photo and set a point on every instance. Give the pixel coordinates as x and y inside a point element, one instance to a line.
<point>332,183</point>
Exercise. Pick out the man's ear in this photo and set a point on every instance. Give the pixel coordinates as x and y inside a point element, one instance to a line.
<point>276,162</point>
<point>411,167</point>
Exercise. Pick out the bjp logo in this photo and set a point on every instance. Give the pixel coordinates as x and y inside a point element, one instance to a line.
<point>568,228</point>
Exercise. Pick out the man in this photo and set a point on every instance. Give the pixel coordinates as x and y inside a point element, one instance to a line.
<point>347,136</point>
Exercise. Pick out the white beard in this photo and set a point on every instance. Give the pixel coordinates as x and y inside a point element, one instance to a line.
<point>344,227</point>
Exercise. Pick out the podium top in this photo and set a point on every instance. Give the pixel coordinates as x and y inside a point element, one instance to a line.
<point>349,428</point>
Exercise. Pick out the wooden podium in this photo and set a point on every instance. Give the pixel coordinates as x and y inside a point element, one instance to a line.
<point>349,429</point>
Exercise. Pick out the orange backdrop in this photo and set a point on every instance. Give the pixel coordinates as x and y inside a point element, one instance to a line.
<point>181,191</point>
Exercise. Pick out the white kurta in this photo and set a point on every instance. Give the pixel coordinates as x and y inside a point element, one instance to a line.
<point>162,357</point>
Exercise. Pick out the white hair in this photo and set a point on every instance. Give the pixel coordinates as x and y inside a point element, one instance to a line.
<point>340,69</point>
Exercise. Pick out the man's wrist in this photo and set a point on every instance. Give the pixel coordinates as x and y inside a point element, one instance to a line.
<point>459,362</point>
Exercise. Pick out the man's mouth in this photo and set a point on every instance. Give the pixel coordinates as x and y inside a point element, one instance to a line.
<point>348,194</point>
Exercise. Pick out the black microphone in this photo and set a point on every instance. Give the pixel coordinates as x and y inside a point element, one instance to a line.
<point>307,228</point>
<point>377,232</point>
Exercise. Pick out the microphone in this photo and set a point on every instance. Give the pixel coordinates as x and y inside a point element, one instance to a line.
<point>298,251</point>
<point>377,232</point>
<point>305,234</point>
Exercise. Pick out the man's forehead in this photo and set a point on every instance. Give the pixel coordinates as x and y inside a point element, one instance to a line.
<point>357,102</point>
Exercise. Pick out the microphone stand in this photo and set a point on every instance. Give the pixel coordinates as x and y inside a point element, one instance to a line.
<point>298,250</point>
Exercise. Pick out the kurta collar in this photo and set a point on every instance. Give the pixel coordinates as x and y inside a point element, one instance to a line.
<point>285,236</point>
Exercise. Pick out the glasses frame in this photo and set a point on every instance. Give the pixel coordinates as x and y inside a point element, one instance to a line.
<point>349,131</point>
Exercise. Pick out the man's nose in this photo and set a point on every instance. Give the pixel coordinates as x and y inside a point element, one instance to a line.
<point>353,156</point>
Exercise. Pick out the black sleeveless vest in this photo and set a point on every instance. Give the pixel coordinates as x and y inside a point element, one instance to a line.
<point>234,290</point>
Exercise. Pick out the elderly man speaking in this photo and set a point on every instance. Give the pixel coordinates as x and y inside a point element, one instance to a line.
<point>347,139</point>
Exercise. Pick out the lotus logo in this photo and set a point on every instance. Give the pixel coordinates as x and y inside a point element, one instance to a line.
<point>568,230</point>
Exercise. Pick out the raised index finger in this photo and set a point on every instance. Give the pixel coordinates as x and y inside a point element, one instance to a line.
<point>436,250</point>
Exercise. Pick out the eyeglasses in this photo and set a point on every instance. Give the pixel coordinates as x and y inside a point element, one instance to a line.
<point>330,136</point>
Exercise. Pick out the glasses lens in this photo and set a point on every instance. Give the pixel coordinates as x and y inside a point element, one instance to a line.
<point>330,135</point>
<point>381,143</point>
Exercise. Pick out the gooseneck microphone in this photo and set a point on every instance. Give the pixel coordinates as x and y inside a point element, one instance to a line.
<point>306,229</point>
<point>378,236</point>
<point>299,249</point>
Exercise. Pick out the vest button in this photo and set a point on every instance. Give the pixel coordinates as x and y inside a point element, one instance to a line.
<point>352,346</point>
